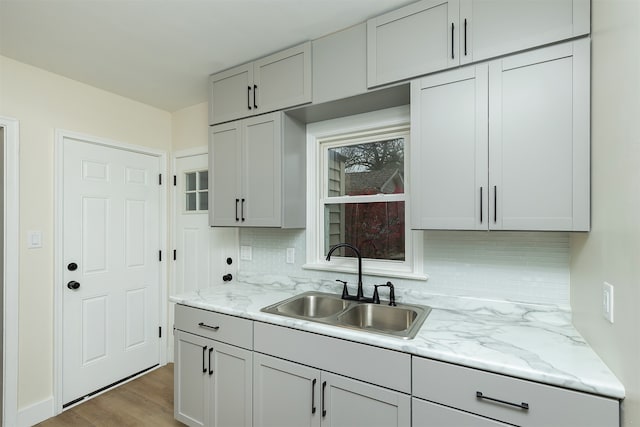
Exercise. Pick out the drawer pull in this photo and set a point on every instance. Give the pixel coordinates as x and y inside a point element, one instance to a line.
<point>313,396</point>
<point>522,405</point>
<point>204,325</point>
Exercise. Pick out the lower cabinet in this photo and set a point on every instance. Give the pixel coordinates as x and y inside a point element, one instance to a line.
<point>291,394</point>
<point>212,382</point>
<point>425,414</point>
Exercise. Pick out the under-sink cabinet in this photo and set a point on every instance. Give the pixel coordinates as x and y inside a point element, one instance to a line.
<point>257,172</point>
<point>213,373</point>
<point>504,145</point>
<point>305,379</point>
<point>268,84</point>
<point>448,395</point>
<point>433,35</point>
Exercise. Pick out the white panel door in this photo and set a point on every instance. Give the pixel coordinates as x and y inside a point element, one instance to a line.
<point>261,204</point>
<point>286,394</point>
<point>449,153</point>
<point>111,232</point>
<point>349,403</point>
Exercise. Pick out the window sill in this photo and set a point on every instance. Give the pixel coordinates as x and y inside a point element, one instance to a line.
<point>397,272</point>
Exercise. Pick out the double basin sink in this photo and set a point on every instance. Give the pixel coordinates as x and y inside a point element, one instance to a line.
<point>402,320</point>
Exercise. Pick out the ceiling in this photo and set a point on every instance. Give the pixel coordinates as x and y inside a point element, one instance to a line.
<point>160,52</point>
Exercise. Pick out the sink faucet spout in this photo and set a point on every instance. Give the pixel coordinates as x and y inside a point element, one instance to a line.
<point>360,294</point>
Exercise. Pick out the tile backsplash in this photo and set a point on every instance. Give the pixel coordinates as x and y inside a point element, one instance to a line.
<point>531,267</point>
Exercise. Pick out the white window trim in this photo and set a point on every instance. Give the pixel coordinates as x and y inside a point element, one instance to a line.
<point>412,267</point>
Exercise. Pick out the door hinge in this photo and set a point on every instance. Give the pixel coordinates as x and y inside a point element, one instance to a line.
<point>159,179</point>
<point>174,254</point>
<point>175,180</point>
<point>160,256</point>
<point>159,331</point>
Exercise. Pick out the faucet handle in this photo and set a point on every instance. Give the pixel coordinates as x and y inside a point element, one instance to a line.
<point>345,291</point>
<point>376,296</point>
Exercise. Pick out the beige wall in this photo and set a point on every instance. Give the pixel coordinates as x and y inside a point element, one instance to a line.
<point>191,127</point>
<point>42,102</point>
<point>611,251</point>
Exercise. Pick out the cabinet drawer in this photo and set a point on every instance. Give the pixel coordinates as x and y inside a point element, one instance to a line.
<point>221,327</point>
<point>505,398</point>
<point>425,413</point>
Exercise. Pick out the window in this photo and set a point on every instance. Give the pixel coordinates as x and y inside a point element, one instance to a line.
<point>359,195</point>
<point>196,191</point>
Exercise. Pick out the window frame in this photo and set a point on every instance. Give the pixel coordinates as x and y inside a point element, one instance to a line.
<point>197,191</point>
<point>378,122</point>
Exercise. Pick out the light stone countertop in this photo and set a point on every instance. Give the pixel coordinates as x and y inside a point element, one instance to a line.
<point>532,342</point>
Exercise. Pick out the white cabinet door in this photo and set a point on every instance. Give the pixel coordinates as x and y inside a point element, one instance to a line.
<point>491,28</point>
<point>538,144</point>
<point>286,394</point>
<point>539,139</point>
<point>225,174</point>
<point>283,79</point>
<point>414,40</point>
<point>350,403</point>
<point>191,379</point>
<point>427,414</point>
<point>449,150</point>
<point>231,386</point>
<point>231,94</point>
<point>262,169</point>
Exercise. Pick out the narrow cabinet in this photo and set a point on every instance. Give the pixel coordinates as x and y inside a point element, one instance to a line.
<point>257,172</point>
<point>416,39</point>
<point>268,84</point>
<point>504,145</point>
<point>290,394</point>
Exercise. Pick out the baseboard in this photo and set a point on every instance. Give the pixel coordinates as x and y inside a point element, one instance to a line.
<point>36,413</point>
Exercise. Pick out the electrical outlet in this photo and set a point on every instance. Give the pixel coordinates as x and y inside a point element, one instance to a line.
<point>245,253</point>
<point>607,301</point>
<point>291,255</point>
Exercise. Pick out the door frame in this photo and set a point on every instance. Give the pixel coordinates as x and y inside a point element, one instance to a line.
<point>11,269</point>
<point>60,135</point>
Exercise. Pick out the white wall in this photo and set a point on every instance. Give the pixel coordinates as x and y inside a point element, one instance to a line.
<point>42,102</point>
<point>611,251</point>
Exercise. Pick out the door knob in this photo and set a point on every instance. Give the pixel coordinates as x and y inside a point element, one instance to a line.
<point>73,285</point>
<point>72,266</point>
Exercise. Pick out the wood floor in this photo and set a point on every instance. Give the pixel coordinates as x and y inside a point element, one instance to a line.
<point>146,401</point>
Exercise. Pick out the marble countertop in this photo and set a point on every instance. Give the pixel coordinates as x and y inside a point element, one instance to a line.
<point>532,342</point>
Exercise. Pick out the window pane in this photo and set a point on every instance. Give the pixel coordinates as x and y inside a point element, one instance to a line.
<point>203,201</point>
<point>203,178</point>
<point>190,179</point>
<point>369,168</point>
<point>376,229</point>
<point>190,202</point>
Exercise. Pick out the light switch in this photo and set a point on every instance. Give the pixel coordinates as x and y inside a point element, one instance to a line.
<point>34,239</point>
<point>291,255</point>
<point>607,301</point>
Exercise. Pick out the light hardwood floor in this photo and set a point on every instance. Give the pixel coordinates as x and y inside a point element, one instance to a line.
<point>145,401</point>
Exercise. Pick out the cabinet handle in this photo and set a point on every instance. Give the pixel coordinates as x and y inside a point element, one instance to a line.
<point>452,28</point>
<point>495,203</point>
<point>465,36</point>
<point>204,351</point>
<point>237,201</point>
<point>204,325</point>
<point>255,90</point>
<point>249,97</point>
<point>242,210</point>
<point>324,411</point>
<point>480,205</point>
<point>313,396</point>
<point>523,405</point>
<point>210,370</point>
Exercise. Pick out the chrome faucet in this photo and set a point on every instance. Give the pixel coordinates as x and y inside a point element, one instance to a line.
<point>345,294</point>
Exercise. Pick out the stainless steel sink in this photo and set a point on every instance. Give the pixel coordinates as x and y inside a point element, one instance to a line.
<point>403,320</point>
<point>311,305</point>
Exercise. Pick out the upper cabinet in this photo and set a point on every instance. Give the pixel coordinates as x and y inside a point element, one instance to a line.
<point>491,28</point>
<point>433,35</point>
<point>504,145</point>
<point>417,39</point>
<point>272,83</point>
<point>257,172</point>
